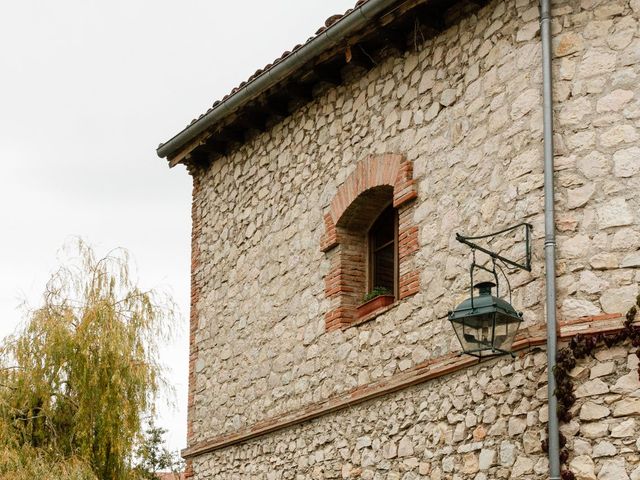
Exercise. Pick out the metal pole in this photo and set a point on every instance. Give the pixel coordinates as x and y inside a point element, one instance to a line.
<point>549,238</point>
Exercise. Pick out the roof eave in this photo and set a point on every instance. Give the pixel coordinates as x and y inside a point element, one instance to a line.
<point>329,38</point>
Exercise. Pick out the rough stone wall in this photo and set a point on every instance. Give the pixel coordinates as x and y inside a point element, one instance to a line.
<point>597,49</point>
<point>483,423</point>
<point>465,108</point>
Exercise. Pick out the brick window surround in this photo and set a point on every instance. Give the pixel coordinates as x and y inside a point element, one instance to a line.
<point>375,181</point>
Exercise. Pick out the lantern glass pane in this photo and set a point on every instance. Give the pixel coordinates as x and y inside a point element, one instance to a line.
<point>508,329</point>
<point>501,332</point>
<point>474,332</point>
<point>465,336</point>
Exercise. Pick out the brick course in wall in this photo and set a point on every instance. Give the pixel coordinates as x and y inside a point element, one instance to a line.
<point>446,365</point>
<point>483,422</point>
<point>196,230</point>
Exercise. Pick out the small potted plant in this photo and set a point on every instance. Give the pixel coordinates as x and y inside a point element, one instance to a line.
<point>377,298</point>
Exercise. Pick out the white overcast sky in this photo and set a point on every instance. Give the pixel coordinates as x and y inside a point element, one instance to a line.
<point>88,89</point>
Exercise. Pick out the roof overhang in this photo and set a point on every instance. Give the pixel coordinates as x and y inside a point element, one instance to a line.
<point>296,74</point>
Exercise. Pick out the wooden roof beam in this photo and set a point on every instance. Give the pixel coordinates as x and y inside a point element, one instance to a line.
<point>231,134</point>
<point>358,55</point>
<point>215,147</point>
<point>300,91</point>
<point>328,73</point>
<point>278,106</point>
<point>432,18</point>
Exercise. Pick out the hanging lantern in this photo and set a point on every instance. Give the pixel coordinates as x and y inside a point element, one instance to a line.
<point>485,324</point>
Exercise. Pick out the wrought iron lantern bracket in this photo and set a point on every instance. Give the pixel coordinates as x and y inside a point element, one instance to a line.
<point>486,323</point>
<point>496,256</point>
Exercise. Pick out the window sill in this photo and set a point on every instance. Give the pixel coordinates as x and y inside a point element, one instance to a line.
<point>374,304</point>
<point>376,313</point>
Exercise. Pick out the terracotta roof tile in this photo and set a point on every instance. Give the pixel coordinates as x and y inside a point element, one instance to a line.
<point>329,22</point>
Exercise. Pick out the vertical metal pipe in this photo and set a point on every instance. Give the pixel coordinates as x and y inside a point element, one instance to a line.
<point>549,238</point>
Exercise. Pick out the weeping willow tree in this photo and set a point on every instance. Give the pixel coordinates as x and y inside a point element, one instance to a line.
<point>77,381</point>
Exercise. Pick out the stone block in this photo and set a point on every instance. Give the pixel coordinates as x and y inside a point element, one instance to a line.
<point>614,470</point>
<point>448,97</point>
<point>574,247</point>
<point>626,407</point>
<point>522,466</point>
<point>624,429</point>
<point>628,383</point>
<point>618,300</point>
<point>593,411</point>
<point>583,468</point>
<point>574,112</point>
<point>596,63</point>
<point>567,43</point>
<point>487,459</point>
<point>591,388</point>
<point>508,453</point>
<point>602,369</point>
<point>604,261</point>
<point>363,442</point>
<point>626,162</point>
<point>594,430</point>
<point>531,442</point>
<point>578,197</point>
<point>525,102</point>
<point>594,165</point>
<point>615,213</point>
<point>469,464</point>
<point>614,101</point>
<point>611,353</point>
<point>631,261</point>
<point>616,135</point>
<point>626,239</point>
<point>405,448</point>
<point>581,447</point>
<point>576,308</point>
<point>517,426</point>
<point>604,449</point>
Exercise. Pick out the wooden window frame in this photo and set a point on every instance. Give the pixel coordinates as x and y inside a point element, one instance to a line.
<point>370,253</point>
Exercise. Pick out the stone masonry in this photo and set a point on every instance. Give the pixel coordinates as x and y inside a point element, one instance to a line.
<point>465,109</point>
<point>484,423</point>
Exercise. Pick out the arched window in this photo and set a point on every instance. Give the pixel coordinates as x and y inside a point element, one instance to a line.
<point>370,239</point>
<point>383,252</point>
<point>366,259</point>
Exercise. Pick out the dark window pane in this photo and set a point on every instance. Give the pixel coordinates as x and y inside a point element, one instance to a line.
<point>383,229</point>
<point>382,238</point>
<point>383,268</point>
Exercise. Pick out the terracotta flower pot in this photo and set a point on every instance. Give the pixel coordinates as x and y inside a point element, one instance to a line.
<point>374,304</point>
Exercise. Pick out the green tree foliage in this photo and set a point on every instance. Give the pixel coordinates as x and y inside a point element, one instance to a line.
<point>154,457</point>
<point>77,380</point>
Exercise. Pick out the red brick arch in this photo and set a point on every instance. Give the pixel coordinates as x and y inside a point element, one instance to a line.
<point>344,282</point>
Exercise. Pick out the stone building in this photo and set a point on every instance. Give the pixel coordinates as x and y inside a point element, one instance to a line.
<point>350,163</point>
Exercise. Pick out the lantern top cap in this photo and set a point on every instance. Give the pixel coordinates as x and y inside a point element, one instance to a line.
<point>484,288</point>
